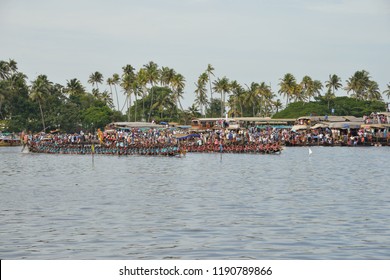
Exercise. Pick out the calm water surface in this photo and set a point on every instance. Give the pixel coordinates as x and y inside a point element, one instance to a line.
<point>333,204</point>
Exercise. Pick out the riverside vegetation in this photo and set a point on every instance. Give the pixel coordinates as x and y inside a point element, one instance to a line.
<point>155,93</point>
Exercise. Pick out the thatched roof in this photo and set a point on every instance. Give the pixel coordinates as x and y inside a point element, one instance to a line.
<point>135,125</point>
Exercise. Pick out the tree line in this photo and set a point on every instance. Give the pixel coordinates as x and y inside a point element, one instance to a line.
<point>155,93</point>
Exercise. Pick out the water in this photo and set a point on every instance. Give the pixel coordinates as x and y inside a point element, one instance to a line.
<point>332,204</point>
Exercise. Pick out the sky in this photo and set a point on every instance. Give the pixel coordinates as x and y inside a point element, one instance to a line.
<point>247,40</point>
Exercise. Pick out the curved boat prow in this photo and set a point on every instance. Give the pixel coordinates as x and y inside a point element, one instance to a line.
<point>25,149</point>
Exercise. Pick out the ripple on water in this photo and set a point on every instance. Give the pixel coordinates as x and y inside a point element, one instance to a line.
<point>332,204</point>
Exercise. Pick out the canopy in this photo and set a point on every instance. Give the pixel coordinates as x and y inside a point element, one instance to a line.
<point>299,127</point>
<point>319,125</point>
<point>345,125</point>
<point>377,125</point>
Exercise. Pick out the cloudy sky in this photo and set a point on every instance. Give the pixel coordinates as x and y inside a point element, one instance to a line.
<point>246,40</point>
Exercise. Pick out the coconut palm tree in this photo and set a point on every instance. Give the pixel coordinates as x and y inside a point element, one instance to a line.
<point>74,87</point>
<point>153,76</point>
<point>167,75</point>
<point>127,85</point>
<point>163,101</point>
<point>288,86</point>
<point>128,78</point>
<point>210,73</point>
<point>222,86</point>
<point>387,91</point>
<point>128,69</point>
<point>15,79</point>
<point>193,111</point>
<point>178,84</point>
<point>142,80</point>
<point>107,99</point>
<point>95,79</point>
<point>201,95</point>
<point>266,100</point>
<point>116,81</point>
<point>298,93</point>
<point>316,88</point>
<point>278,105</point>
<point>307,84</point>
<point>110,83</point>
<point>96,93</point>
<point>13,66</point>
<point>334,83</point>
<point>373,92</point>
<point>358,84</point>
<point>39,88</point>
<point>136,89</point>
<point>237,91</point>
<point>251,97</point>
<point>311,88</point>
<point>5,71</point>
<point>2,99</point>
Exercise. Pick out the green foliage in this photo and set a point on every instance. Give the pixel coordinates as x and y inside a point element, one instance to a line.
<point>96,117</point>
<point>154,93</point>
<point>214,108</point>
<point>343,106</point>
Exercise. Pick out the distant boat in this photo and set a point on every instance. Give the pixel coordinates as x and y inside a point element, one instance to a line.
<point>310,151</point>
<point>9,139</point>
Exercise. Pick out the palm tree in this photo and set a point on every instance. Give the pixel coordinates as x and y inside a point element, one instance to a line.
<point>17,78</point>
<point>193,111</point>
<point>5,71</point>
<point>127,85</point>
<point>288,86</point>
<point>167,75</point>
<point>153,76</point>
<point>278,105</point>
<point>266,100</point>
<point>96,93</point>
<point>95,79</point>
<point>39,88</point>
<point>178,84</point>
<point>13,66</point>
<point>237,91</point>
<point>334,83</point>
<point>128,69</point>
<point>128,78</point>
<point>2,99</point>
<point>116,81</point>
<point>110,82</point>
<point>142,80</point>
<point>316,88</point>
<point>222,86</point>
<point>358,84</point>
<point>163,101</point>
<point>298,93</point>
<point>387,91</point>
<point>107,99</point>
<point>251,96</point>
<point>202,81</point>
<point>307,87</point>
<point>210,73</point>
<point>201,95</point>
<point>74,87</point>
<point>373,92</point>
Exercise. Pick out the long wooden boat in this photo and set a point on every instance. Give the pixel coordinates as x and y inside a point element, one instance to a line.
<point>91,148</point>
<point>9,140</point>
